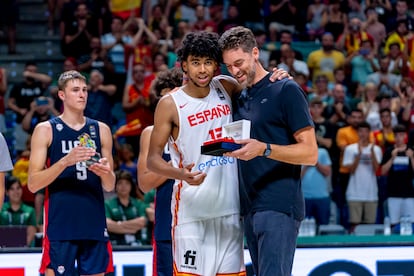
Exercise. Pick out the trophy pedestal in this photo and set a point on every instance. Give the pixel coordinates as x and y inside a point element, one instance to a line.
<point>218,147</point>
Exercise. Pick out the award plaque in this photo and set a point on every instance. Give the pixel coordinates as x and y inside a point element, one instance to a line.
<point>86,141</point>
<point>234,131</point>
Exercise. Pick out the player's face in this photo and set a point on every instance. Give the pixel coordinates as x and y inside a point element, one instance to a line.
<point>75,94</point>
<point>200,70</point>
<point>241,65</point>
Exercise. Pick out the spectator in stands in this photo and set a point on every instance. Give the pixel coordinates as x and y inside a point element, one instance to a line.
<point>15,212</point>
<point>362,63</point>
<point>362,159</point>
<point>374,27</point>
<point>338,111</point>
<point>314,17</point>
<point>373,118</point>
<point>125,214</point>
<point>201,23</point>
<point>140,50</point>
<point>21,96</point>
<point>78,32</point>
<point>185,10</point>
<point>399,35</point>
<point>383,9</point>
<point>290,63</point>
<point>136,104</point>
<point>261,40</point>
<point>5,166</point>
<point>233,18</point>
<point>282,17</point>
<point>286,37</point>
<point>54,7</point>
<point>384,138</point>
<point>398,165</point>
<point>41,109</point>
<point>386,82</point>
<point>9,15</point>
<point>401,13</point>
<point>316,188</point>
<point>325,131</point>
<point>352,37</point>
<point>21,172</point>
<point>399,64</point>
<point>99,103</point>
<point>114,43</point>
<point>321,90</point>
<point>96,59</point>
<point>3,91</point>
<point>354,9</point>
<point>345,136</point>
<point>251,14</point>
<point>369,103</point>
<point>326,59</point>
<point>334,21</point>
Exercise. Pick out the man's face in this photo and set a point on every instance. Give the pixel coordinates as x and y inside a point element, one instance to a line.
<point>385,119</point>
<point>400,138</point>
<point>355,118</point>
<point>363,133</point>
<point>138,73</point>
<point>200,70</point>
<point>316,110</point>
<point>241,65</point>
<point>75,94</point>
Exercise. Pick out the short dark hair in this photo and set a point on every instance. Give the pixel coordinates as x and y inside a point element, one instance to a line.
<point>200,44</point>
<point>364,124</point>
<point>238,37</point>
<point>399,129</point>
<point>386,109</point>
<point>10,181</point>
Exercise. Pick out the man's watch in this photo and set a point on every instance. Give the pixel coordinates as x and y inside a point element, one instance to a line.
<point>267,151</point>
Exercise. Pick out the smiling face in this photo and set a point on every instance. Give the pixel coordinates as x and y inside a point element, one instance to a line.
<point>200,70</point>
<point>241,65</point>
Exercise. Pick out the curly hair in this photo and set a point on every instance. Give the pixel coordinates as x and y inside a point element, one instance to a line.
<point>167,79</point>
<point>238,37</point>
<point>200,44</point>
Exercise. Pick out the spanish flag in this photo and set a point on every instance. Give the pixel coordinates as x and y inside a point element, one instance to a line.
<point>124,8</point>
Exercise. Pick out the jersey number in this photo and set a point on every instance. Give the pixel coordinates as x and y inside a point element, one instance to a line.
<point>81,171</point>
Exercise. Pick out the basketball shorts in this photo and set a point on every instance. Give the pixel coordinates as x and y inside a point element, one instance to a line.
<point>209,247</point>
<point>92,257</point>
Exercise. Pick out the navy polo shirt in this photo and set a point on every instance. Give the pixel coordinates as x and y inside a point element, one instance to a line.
<point>276,111</point>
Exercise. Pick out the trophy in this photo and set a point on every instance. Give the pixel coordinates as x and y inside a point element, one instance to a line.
<point>86,141</point>
<point>234,131</point>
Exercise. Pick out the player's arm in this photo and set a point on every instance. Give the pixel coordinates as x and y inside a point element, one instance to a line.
<point>147,180</point>
<point>303,152</point>
<point>39,176</point>
<point>104,169</point>
<point>166,117</point>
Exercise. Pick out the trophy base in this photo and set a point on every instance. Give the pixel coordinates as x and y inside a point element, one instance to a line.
<point>219,148</point>
<point>93,160</point>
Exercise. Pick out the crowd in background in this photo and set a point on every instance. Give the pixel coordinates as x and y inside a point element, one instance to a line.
<point>358,79</point>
